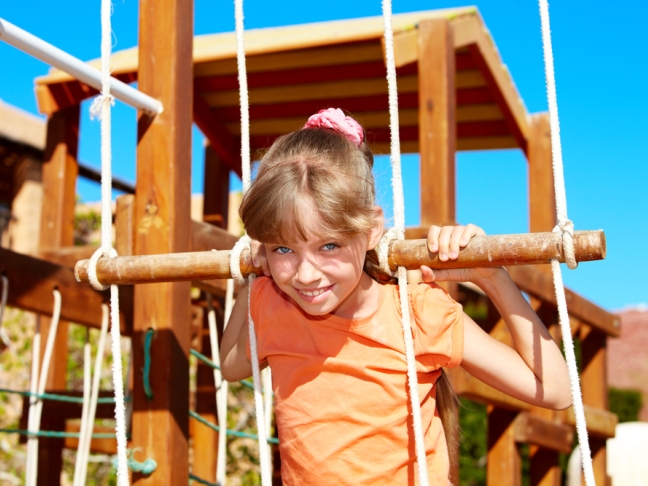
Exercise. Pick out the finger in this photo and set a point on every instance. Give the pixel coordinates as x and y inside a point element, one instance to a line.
<point>433,238</point>
<point>455,239</point>
<point>427,274</point>
<point>470,231</point>
<point>444,242</point>
<point>255,247</point>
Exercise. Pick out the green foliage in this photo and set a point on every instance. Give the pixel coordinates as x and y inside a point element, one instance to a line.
<point>625,403</point>
<point>85,225</point>
<point>473,443</point>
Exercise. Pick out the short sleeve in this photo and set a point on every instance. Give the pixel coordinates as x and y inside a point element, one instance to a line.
<point>438,327</point>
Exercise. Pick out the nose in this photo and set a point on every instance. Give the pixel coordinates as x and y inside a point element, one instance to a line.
<point>307,272</point>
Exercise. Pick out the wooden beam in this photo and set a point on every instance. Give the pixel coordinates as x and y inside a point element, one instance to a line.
<point>538,284</point>
<point>97,446</point>
<point>531,429</point>
<point>542,200</point>
<point>32,280</point>
<point>218,135</point>
<point>216,189</point>
<point>503,465</point>
<point>483,251</point>
<point>162,224</point>
<point>437,120</point>
<point>601,424</point>
<point>67,256</point>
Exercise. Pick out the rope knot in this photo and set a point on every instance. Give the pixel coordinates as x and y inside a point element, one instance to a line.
<point>244,243</point>
<point>92,267</point>
<point>98,103</point>
<point>566,230</point>
<point>383,248</point>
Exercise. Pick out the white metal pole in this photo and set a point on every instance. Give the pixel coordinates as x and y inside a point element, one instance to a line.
<point>82,71</point>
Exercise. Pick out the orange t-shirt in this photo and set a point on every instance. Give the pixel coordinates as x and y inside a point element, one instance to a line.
<point>341,385</point>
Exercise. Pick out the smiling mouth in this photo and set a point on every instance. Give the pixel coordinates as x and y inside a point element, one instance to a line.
<point>312,294</point>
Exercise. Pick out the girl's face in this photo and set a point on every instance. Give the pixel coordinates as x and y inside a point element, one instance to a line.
<point>325,276</point>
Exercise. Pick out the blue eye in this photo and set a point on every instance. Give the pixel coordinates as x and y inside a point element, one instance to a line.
<point>282,250</point>
<point>330,246</point>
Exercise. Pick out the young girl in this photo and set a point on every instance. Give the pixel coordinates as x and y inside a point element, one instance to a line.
<point>328,320</point>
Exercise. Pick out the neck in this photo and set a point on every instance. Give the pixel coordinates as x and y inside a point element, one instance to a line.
<point>362,302</point>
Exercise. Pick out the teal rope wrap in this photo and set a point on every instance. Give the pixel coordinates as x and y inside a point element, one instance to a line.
<point>54,397</point>
<point>193,477</point>
<point>147,467</point>
<point>54,434</point>
<point>147,364</point>
<point>235,433</point>
<point>214,366</point>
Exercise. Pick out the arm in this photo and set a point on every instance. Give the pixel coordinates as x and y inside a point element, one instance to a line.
<point>535,370</point>
<point>235,364</point>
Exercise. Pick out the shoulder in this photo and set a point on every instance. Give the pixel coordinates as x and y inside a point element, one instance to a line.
<point>429,293</point>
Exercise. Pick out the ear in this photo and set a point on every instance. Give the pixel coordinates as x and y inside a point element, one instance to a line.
<point>377,230</point>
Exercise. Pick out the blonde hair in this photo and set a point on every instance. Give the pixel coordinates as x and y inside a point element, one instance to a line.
<point>321,167</point>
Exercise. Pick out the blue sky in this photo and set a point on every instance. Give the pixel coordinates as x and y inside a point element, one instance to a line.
<point>601,70</point>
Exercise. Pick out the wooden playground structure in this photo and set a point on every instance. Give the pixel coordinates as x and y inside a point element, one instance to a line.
<point>455,94</point>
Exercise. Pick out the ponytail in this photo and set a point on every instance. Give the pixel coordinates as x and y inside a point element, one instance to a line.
<point>447,404</point>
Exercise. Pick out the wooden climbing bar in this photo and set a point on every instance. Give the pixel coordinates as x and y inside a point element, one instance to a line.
<point>483,251</point>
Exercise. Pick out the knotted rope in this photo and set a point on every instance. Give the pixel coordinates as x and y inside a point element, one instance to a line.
<point>398,232</point>
<point>102,105</point>
<point>264,452</point>
<point>566,227</point>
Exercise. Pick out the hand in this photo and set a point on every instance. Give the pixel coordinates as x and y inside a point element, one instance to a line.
<point>447,241</point>
<point>259,258</point>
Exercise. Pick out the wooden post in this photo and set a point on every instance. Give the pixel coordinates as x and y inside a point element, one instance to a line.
<point>162,225</point>
<point>503,461</point>
<point>594,386</point>
<point>216,189</point>
<point>542,200</point>
<point>545,470</point>
<point>438,133</point>
<point>60,171</point>
<point>437,125</point>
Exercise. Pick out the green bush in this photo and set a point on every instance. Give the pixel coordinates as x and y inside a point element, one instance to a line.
<point>625,403</point>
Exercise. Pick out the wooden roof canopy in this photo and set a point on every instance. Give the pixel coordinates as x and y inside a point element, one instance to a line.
<point>295,71</point>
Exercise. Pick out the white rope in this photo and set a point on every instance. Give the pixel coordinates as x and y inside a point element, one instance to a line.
<point>87,383</point>
<point>33,389</point>
<point>102,105</point>
<point>4,338</point>
<point>264,455</point>
<point>566,228</point>
<point>222,389</point>
<point>244,243</point>
<point>399,230</point>
<point>383,250</point>
<point>86,433</point>
<point>36,404</point>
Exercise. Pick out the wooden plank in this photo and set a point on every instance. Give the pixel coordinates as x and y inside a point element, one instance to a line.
<point>32,280</point>
<point>124,224</point>
<point>406,48</point>
<point>482,251</point>
<point>503,465</point>
<point>531,429</point>
<point>468,386</point>
<point>370,120</point>
<point>347,88</point>
<point>160,426</point>
<point>59,176</point>
<point>537,283</point>
<point>594,388</point>
<point>67,256</point>
<point>216,189</point>
<point>542,200</point>
<point>498,78</point>
<point>437,119</point>
<point>601,424</point>
<point>486,143</point>
<point>97,446</point>
<point>218,135</point>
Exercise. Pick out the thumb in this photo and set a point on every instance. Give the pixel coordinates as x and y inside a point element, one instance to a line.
<point>449,275</point>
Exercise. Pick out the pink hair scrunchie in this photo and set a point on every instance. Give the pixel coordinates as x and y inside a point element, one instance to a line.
<point>336,119</point>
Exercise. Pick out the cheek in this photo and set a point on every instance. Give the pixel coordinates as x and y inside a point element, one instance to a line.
<point>280,266</point>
